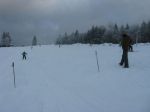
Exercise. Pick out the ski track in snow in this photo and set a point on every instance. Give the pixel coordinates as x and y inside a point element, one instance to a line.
<point>66,79</point>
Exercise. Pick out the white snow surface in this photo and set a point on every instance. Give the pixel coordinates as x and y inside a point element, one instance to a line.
<point>66,79</point>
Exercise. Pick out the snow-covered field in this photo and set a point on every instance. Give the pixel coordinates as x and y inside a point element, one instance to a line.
<point>66,79</point>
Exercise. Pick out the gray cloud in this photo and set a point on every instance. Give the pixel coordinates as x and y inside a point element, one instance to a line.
<point>49,18</point>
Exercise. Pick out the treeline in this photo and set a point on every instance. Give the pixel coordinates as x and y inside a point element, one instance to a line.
<point>108,34</point>
<point>6,40</point>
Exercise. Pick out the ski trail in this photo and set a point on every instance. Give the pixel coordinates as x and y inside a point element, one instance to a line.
<point>62,95</point>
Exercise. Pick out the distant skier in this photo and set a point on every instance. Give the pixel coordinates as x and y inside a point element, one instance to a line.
<point>24,55</point>
<point>125,42</point>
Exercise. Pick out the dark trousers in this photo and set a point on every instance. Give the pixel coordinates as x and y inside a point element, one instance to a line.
<point>130,48</point>
<point>124,59</point>
<point>24,57</point>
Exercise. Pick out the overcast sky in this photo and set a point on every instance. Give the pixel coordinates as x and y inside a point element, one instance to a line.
<point>48,18</point>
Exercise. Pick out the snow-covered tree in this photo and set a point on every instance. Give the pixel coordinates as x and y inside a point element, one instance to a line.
<point>6,39</point>
<point>34,41</point>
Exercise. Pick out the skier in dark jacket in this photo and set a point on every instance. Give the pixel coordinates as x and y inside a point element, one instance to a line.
<point>125,46</point>
<point>24,55</point>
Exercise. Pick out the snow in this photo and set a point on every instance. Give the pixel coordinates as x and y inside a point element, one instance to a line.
<point>66,79</point>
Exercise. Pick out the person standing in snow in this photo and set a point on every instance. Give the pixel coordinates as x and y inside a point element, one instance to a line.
<point>130,45</point>
<point>125,42</point>
<point>24,55</point>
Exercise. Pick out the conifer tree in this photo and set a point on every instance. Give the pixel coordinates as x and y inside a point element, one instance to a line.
<point>34,41</point>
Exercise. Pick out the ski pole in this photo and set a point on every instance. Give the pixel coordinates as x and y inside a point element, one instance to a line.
<point>97,60</point>
<point>13,65</point>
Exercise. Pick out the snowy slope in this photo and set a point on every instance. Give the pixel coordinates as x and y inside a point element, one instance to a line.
<point>66,79</point>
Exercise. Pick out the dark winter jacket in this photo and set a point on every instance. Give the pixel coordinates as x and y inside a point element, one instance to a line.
<point>24,53</point>
<point>125,42</point>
